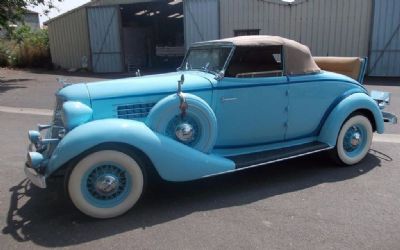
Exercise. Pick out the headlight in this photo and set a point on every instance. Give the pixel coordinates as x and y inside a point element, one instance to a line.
<point>34,136</point>
<point>75,114</point>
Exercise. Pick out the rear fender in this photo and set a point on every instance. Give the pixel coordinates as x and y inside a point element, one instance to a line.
<point>171,159</point>
<point>349,105</point>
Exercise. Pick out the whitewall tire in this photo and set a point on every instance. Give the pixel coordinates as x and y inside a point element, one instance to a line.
<point>106,183</point>
<point>354,140</point>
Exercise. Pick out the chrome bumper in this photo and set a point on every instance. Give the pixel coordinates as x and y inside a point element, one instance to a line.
<point>36,178</point>
<point>37,157</point>
<point>383,99</point>
<point>389,118</point>
<point>30,172</point>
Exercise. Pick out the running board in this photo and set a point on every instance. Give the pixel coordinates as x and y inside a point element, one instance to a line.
<point>271,156</point>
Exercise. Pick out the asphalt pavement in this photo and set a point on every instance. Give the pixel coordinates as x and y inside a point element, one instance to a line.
<point>306,203</point>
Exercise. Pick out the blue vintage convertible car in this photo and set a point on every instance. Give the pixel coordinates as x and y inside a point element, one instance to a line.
<point>233,104</point>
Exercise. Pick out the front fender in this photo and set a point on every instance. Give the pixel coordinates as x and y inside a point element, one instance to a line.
<point>341,112</point>
<point>172,160</point>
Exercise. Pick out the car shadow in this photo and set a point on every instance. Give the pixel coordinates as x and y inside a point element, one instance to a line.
<point>9,84</point>
<point>46,218</point>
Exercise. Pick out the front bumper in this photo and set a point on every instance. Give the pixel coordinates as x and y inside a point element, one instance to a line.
<point>33,166</point>
<point>39,152</point>
<point>36,178</point>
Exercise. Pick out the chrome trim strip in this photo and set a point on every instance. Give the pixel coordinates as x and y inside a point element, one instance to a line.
<point>134,109</point>
<point>269,162</point>
<point>228,99</point>
<point>134,113</point>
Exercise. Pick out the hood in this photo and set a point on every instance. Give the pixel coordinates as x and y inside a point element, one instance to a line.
<point>74,92</point>
<point>149,85</point>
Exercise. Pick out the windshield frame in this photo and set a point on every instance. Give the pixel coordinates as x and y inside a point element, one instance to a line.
<point>211,46</point>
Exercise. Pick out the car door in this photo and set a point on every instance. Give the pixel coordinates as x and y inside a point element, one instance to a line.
<point>251,102</point>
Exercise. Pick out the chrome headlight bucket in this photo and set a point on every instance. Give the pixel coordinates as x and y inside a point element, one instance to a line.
<point>34,136</point>
<point>34,160</point>
<point>75,114</point>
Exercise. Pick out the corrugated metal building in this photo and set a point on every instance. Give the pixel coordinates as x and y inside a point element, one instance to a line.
<point>69,39</point>
<point>116,36</point>
<point>329,27</point>
<point>385,40</point>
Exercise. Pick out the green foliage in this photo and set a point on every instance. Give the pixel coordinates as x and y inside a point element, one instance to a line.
<point>3,54</point>
<point>12,11</point>
<point>26,48</point>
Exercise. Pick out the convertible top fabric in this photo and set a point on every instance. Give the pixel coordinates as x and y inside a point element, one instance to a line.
<point>298,58</point>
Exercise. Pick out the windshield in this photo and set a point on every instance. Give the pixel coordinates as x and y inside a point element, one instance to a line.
<point>210,59</point>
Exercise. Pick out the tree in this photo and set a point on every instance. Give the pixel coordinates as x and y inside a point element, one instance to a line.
<point>12,11</point>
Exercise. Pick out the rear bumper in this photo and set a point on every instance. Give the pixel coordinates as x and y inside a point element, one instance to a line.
<point>383,99</point>
<point>389,117</point>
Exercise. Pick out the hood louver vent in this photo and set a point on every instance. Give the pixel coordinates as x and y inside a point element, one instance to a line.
<point>134,111</point>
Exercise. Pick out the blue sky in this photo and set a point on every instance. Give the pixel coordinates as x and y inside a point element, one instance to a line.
<point>63,7</point>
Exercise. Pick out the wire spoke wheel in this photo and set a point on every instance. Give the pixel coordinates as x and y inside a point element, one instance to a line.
<point>106,183</point>
<point>354,140</point>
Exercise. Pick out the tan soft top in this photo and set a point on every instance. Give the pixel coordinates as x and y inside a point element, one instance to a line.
<point>298,58</point>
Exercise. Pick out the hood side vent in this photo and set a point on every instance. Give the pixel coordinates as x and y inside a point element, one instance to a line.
<point>134,111</point>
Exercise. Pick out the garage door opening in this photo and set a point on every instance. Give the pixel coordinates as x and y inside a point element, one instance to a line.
<point>152,35</point>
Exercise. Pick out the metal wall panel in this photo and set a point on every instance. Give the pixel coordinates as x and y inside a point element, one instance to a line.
<point>328,27</point>
<point>201,20</point>
<point>115,2</point>
<point>385,41</point>
<point>69,39</point>
<point>105,39</point>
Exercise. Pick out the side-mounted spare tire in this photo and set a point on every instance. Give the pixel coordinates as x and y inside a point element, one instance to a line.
<point>199,121</point>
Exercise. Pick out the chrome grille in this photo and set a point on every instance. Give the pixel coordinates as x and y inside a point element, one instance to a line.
<point>134,111</point>
<point>57,112</point>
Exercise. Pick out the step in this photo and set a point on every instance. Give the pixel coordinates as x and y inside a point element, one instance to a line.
<point>271,156</point>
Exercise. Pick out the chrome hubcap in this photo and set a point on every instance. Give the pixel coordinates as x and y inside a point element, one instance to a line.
<point>107,184</point>
<point>184,132</point>
<point>355,139</point>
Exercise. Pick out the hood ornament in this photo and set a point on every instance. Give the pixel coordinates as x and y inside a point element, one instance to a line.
<point>183,106</point>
